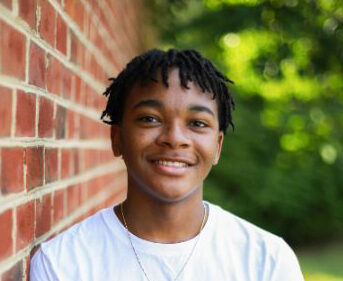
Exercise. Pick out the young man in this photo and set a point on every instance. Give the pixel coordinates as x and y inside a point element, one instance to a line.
<point>169,112</point>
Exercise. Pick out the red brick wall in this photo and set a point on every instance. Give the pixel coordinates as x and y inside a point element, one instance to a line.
<point>56,165</point>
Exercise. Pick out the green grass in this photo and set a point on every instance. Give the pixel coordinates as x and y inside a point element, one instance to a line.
<point>322,263</point>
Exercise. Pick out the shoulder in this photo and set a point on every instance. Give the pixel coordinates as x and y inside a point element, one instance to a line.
<point>244,234</point>
<point>267,254</point>
<point>78,240</point>
<point>85,230</point>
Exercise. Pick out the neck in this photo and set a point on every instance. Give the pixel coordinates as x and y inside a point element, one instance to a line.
<point>162,222</point>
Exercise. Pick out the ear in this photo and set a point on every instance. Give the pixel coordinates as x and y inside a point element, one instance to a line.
<point>115,140</point>
<point>219,148</point>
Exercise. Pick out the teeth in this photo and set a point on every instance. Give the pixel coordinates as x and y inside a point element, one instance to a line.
<point>171,163</point>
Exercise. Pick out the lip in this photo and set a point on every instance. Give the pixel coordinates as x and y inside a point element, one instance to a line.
<point>172,159</point>
<point>169,170</point>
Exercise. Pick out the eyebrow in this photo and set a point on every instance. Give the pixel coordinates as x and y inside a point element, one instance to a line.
<point>201,108</point>
<point>151,103</point>
<point>158,104</point>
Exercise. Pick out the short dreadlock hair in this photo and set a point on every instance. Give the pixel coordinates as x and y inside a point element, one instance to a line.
<point>192,67</point>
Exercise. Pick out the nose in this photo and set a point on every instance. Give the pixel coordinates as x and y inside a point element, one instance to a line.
<point>174,135</point>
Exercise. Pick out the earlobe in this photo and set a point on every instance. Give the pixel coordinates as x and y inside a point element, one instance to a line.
<point>115,140</point>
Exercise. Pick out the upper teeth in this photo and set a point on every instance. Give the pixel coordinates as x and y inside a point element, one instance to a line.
<point>171,163</point>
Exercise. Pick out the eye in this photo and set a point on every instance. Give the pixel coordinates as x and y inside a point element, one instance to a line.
<point>148,119</point>
<point>199,124</point>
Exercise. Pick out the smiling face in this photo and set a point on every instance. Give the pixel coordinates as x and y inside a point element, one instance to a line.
<point>169,139</point>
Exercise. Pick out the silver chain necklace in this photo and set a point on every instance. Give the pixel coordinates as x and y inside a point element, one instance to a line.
<point>189,256</point>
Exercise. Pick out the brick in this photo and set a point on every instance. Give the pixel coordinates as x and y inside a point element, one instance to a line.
<point>25,225</point>
<point>51,165</point>
<point>99,103</point>
<point>66,82</point>
<point>83,192</point>
<point>66,163</point>
<point>88,127</point>
<point>70,8</point>
<point>79,16</point>
<point>60,122</point>
<point>7,3</point>
<point>76,161</point>
<point>61,35</point>
<point>53,75</point>
<point>43,215</point>
<point>74,198</point>
<point>88,96</point>
<point>13,44</point>
<point>71,124</point>
<point>77,90</point>
<point>25,114</point>
<point>5,111</point>
<point>59,198</point>
<point>27,11</point>
<point>93,187</point>
<point>12,170</point>
<point>37,75</point>
<point>34,162</point>
<point>46,118</point>
<point>6,245</point>
<point>76,50</point>
<point>47,23</point>
<point>15,273</point>
<point>72,89</point>
<point>87,24</point>
<point>82,51</point>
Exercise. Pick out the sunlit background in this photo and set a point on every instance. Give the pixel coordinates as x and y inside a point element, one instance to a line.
<point>282,167</point>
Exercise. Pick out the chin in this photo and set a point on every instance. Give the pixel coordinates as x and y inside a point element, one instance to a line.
<point>171,194</point>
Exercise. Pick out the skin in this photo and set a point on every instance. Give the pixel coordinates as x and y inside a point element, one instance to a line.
<point>164,204</point>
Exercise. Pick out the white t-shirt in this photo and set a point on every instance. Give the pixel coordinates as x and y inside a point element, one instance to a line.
<point>229,248</point>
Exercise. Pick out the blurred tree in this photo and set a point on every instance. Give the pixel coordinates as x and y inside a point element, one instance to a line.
<point>283,166</point>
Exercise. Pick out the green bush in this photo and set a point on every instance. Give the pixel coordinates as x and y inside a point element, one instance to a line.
<point>282,168</point>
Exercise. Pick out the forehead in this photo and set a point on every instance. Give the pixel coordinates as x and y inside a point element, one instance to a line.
<point>172,97</point>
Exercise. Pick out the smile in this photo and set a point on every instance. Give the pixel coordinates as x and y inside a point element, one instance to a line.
<point>176,164</point>
<point>171,167</point>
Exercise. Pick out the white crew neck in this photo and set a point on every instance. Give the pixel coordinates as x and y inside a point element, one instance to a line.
<point>155,248</point>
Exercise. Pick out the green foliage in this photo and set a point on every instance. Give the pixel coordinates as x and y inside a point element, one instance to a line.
<point>322,262</point>
<point>283,167</point>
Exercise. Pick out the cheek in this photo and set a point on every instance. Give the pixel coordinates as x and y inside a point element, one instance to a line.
<point>134,142</point>
<point>207,149</point>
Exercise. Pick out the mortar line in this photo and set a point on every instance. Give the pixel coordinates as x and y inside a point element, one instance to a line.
<point>14,230</point>
<point>15,7</point>
<point>13,83</point>
<point>14,200</point>
<point>101,59</point>
<point>108,19</point>
<point>93,202</point>
<point>24,277</point>
<point>106,35</point>
<point>24,171</point>
<point>54,119</point>
<point>98,144</point>
<point>22,27</point>
<point>27,59</point>
<point>68,42</point>
<point>52,207</point>
<point>44,149</point>
<point>37,115</point>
